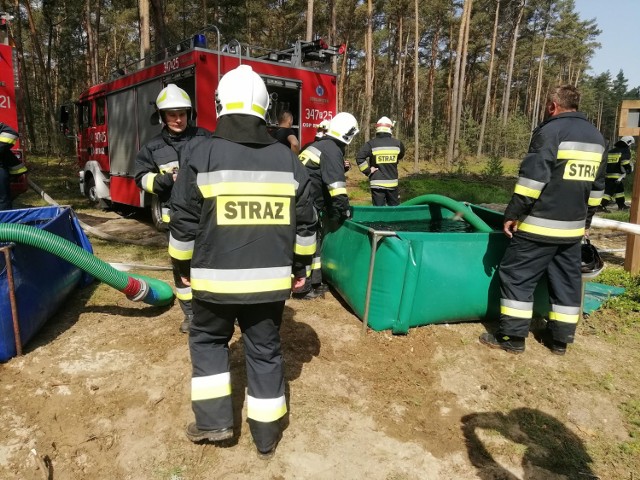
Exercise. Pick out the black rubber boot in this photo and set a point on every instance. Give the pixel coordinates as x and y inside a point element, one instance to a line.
<point>503,342</point>
<point>196,435</point>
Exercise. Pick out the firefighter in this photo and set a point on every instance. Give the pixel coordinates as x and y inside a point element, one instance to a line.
<point>159,160</point>
<point>560,186</point>
<point>325,163</point>
<point>618,167</point>
<point>321,131</point>
<point>378,159</point>
<point>285,134</point>
<point>10,165</point>
<point>242,224</point>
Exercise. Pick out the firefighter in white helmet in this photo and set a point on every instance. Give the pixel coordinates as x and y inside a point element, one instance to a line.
<point>242,224</point>
<point>378,159</point>
<point>618,167</point>
<point>325,163</point>
<point>159,160</point>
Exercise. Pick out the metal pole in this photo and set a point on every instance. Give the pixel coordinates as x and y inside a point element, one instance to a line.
<point>12,298</point>
<point>375,235</point>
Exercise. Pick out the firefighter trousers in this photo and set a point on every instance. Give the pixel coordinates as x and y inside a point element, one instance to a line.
<point>211,400</point>
<point>381,197</point>
<point>613,192</point>
<point>523,265</point>
<point>5,189</point>
<point>314,272</point>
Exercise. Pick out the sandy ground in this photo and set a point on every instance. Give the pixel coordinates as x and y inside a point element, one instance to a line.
<point>103,393</point>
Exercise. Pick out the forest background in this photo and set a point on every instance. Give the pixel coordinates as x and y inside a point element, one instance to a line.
<point>463,79</point>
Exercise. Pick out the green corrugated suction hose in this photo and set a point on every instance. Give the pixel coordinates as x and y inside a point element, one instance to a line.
<point>136,287</point>
<point>457,207</point>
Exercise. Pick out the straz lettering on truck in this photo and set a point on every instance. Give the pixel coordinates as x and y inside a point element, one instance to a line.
<point>583,170</point>
<point>250,210</point>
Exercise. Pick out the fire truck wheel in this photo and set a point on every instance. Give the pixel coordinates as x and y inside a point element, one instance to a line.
<point>92,194</point>
<point>156,215</point>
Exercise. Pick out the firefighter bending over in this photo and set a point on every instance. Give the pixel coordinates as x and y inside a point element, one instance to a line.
<point>378,159</point>
<point>242,217</point>
<point>325,163</point>
<point>10,165</point>
<point>618,167</point>
<point>560,186</point>
<point>158,162</point>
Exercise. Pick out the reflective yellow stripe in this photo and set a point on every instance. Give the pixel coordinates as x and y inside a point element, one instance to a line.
<point>147,182</point>
<point>8,140</point>
<point>304,249</point>
<point>184,296</point>
<point>241,286</point>
<point>550,232</point>
<point>527,192</point>
<point>363,166</point>
<point>234,106</point>
<point>180,254</point>
<point>594,202</point>
<point>17,170</point>
<point>338,191</point>
<point>579,155</point>
<point>563,317</point>
<point>266,410</point>
<point>244,188</point>
<point>211,386</point>
<point>514,312</point>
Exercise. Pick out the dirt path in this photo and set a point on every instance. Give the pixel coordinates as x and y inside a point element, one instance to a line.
<point>103,392</point>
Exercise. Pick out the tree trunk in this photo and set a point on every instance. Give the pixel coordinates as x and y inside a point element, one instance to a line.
<point>416,102</point>
<point>462,82</point>
<point>535,115</point>
<point>512,56</point>
<point>487,96</point>
<point>343,75</point>
<point>453,122</point>
<point>159,24</point>
<point>309,20</point>
<point>368,86</point>
<point>145,33</point>
<point>52,123</point>
<point>395,98</point>
<point>91,42</point>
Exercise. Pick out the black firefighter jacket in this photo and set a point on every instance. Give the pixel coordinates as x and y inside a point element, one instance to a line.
<point>383,152</point>
<point>561,180</point>
<point>241,216</point>
<point>619,161</point>
<point>324,160</point>
<point>161,157</point>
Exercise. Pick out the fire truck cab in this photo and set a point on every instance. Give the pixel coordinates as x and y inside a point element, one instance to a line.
<point>116,118</point>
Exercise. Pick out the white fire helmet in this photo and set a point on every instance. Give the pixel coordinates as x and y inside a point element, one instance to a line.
<point>343,127</point>
<point>629,140</point>
<point>384,125</point>
<point>321,129</point>
<point>173,97</point>
<point>242,91</point>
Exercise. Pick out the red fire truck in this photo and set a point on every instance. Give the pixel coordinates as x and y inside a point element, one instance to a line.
<point>8,88</point>
<point>114,117</point>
